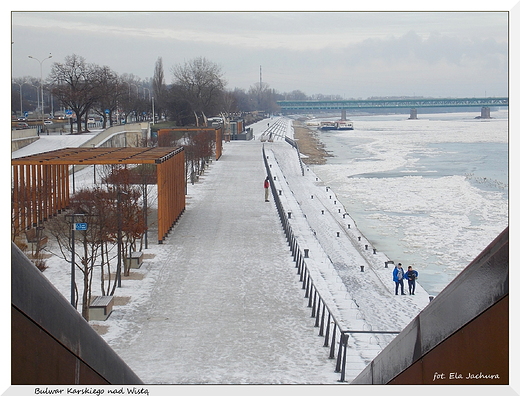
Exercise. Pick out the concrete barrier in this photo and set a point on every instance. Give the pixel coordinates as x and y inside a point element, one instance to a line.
<point>51,343</point>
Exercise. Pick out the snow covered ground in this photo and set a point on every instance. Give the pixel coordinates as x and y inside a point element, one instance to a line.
<point>220,302</point>
<point>54,142</point>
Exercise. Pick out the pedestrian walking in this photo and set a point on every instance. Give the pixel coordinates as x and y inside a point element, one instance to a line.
<point>266,188</point>
<point>398,278</point>
<point>411,275</point>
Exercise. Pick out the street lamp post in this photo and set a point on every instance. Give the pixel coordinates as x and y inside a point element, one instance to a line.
<point>153,111</point>
<point>119,235</point>
<point>41,80</point>
<point>73,217</point>
<point>21,101</point>
<point>119,238</point>
<point>37,94</point>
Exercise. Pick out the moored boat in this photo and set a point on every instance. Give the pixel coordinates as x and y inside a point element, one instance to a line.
<point>327,125</point>
<point>345,125</point>
<point>336,125</point>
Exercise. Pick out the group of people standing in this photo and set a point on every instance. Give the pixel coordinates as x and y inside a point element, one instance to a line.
<point>400,275</point>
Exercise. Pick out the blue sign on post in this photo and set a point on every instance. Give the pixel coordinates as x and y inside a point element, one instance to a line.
<point>81,226</point>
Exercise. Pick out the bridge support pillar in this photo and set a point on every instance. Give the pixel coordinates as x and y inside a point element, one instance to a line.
<point>343,115</point>
<point>413,114</point>
<point>485,112</point>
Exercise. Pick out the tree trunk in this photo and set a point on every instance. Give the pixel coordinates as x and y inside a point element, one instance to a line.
<point>85,300</point>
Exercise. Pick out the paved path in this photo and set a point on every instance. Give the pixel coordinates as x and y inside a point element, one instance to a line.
<point>228,307</point>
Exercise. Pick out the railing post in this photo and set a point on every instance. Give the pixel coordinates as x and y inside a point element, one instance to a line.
<point>331,354</point>
<point>344,360</point>
<point>327,332</point>
<point>340,354</point>
<point>313,305</point>
<point>316,311</point>
<point>322,323</point>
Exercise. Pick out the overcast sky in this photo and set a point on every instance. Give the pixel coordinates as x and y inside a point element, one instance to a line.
<point>352,54</point>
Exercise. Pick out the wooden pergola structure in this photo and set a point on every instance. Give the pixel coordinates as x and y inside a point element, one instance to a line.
<point>218,135</point>
<point>40,182</point>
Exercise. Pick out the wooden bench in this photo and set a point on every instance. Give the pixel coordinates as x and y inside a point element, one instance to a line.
<point>100,308</point>
<point>33,238</point>
<point>135,259</point>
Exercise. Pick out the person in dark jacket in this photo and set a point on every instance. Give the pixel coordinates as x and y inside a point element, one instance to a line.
<point>398,278</point>
<point>266,188</point>
<point>411,275</point>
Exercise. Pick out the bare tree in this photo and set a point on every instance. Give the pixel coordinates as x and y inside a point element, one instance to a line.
<point>201,83</point>
<point>75,83</point>
<point>158,85</point>
<point>84,249</point>
<point>129,101</point>
<point>263,97</point>
<point>198,148</point>
<point>129,225</point>
<point>109,93</point>
<point>177,107</point>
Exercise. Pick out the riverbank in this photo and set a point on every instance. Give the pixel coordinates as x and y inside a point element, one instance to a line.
<point>309,145</point>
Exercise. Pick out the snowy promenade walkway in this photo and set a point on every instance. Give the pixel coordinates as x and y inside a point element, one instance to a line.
<point>221,302</point>
<point>227,307</point>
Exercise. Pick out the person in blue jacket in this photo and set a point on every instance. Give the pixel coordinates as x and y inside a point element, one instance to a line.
<point>398,278</point>
<point>411,275</point>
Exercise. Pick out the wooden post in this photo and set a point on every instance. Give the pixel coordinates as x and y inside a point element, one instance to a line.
<point>16,200</point>
<point>34,212</point>
<point>66,186</point>
<point>23,196</point>
<point>160,203</point>
<point>45,188</point>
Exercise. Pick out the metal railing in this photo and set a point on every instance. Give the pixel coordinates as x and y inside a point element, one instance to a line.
<point>293,143</point>
<point>335,335</point>
<point>319,309</point>
<point>277,130</point>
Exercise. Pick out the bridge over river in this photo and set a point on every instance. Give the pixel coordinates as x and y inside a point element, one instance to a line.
<point>296,106</point>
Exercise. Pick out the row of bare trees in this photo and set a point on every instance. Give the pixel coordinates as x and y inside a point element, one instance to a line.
<point>87,88</point>
<point>197,87</point>
<point>115,215</point>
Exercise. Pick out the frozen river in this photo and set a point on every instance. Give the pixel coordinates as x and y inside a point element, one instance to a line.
<point>411,185</point>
